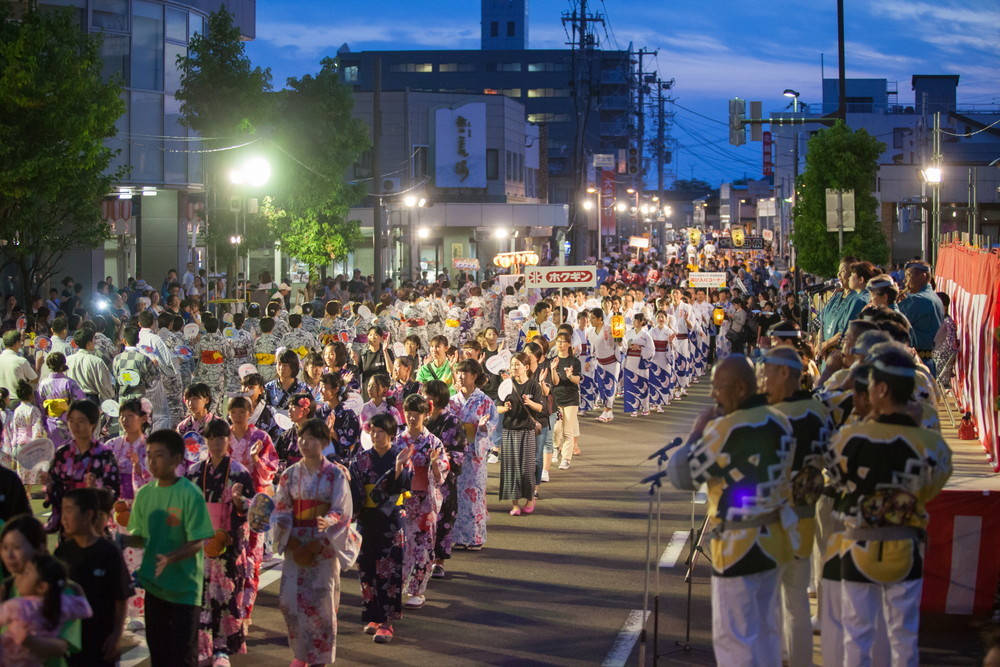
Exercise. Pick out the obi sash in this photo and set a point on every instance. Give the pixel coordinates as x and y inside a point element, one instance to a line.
<point>682,336</point>
<point>301,351</point>
<point>213,357</point>
<point>369,503</point>
<point>416,322</point>
<point>636,353</point>
<point>661,345</point>
<point>220,515</point>
<point>607,360</point>
<point>305,512</point>
<point>265,359</point>
<point>56,407</point>
<point>419,481</point>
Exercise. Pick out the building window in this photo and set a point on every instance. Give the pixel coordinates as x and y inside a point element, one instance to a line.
<point>109,14</point>
<point>509,67</point>
<point>548,92</point>
<point>420,162</point>
<point>351,74</point>
<point>511,92</point>
<point>147,46</point>
<point>492,164</point>
<point>494,29</point>
<point>363,167</point>
<point>548,117</point>
<point>412,67</point>
<point>172,74</point>
<point>114,56</point>
<point>511,30</point>
<point>456,67</point>
<point>509,172</point>
<point>548,67</point>
<point>177,25</point>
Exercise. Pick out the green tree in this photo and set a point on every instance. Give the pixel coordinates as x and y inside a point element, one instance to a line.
<point>55,113</point>
<point>225,99</point>
<point>317,141</point>
<point>691,185</point>
<point>838,158</point>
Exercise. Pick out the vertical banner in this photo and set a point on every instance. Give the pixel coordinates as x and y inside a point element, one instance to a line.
<point>609,224</point>
<point>768,144</point>
<point>460,146</point>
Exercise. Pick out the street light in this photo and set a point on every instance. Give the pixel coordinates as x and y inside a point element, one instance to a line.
<point>588,205</point>
<point>423,233</point>
<point>794,94</point>
<point>253,172</point>
<point>932,175</point>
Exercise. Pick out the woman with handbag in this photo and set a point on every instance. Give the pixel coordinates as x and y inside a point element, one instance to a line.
<point>737,334</point>
<point>521,426</point>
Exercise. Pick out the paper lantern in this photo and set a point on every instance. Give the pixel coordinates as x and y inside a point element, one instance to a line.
<point>738,237</point>
<point>718,316</point>
<point>618,326</point>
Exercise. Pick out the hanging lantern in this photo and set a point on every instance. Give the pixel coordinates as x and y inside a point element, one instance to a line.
<point>718,316</point>
<point>618,326</point>
<point>738,236</point>
<point>695,236</point>
<point>532,259</point>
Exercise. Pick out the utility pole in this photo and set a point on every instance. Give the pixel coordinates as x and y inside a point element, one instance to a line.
<point>378,224</point>
<point>842,85</point>
<point>582,45</point>
<point>640,144</point>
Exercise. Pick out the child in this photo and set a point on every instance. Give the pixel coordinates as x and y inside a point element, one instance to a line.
<point>227,487</point>
<point>444,424</point>
<point>170,519</point>
<point>40,611</point>
<point>378,386</point>
<point>198,398</point>
<point>430,464</point>
<point>379,477</point>
<point>130,452</point>
<point>24,425</point>
<point>96,564</point>
<point>311,519</point>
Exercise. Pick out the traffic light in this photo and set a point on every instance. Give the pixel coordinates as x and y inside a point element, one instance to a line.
<point>737,113</point>
<point>633,160</point>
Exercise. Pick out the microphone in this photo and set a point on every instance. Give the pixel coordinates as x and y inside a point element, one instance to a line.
<point>662,451</point>
<point>655,478</point>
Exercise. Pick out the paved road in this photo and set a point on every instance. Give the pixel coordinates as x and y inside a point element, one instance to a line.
<point>563,586</point>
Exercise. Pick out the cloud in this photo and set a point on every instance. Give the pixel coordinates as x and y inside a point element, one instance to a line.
<point>311,40</point>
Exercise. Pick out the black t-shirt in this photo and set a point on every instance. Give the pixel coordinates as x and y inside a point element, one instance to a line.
<point>492,379</point>
<point>566,393</point>
<point>520,416</point>
<point>101,572</point>
<point>372,363</point>
<point>13,497</point>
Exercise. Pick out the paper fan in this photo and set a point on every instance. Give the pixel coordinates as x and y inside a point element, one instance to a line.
<point>399,349</point>
<point>190,330</point>
<point>283,421</point>
<point>245,370</point>
<point>505,389</point>
<point>128,378</point>
<point>499,362</point>
<point>35,454</point>
<point>364,313</point>
<point>195,449</point>
<point>110,408</point>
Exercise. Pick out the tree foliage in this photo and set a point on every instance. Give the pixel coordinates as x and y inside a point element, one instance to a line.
<point>317,141</point>
<point>691,185</point>
<point>222,95</point>
<point>55,113</point>
<point>838,158</point>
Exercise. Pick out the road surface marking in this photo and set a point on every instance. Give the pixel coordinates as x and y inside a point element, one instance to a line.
<point>674,548</point>
<point>622,647</point>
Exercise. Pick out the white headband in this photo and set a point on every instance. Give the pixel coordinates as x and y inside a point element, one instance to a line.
<point>899,371</point>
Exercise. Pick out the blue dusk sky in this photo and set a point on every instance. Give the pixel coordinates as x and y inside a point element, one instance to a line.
<point>713,50</point>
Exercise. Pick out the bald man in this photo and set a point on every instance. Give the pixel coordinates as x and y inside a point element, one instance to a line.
<point>742,449</point>
<point>811,427</point>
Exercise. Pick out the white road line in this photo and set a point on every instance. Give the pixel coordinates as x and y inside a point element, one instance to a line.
<point>674,548</point>
<point>622,648</point>
<point>270,572</point>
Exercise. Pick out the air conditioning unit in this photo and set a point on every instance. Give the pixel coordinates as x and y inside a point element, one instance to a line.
<point>391,185</point>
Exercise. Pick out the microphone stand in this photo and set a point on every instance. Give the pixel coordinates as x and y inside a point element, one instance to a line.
<point>655,489</point>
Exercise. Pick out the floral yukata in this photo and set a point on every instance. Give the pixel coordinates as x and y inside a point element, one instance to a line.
<point>345,432</point>
<point>470,522</point>
<point>69,470</point>
<point>133,477</point>
<point>55,394</point>
<point>262,472</point>
<point>450,431</point>
<point>211,352</point>
<point>21,427</point>
<point>310,576</point>
<point>377,494</point>
<point>422,508</point>
<point>221,627</point>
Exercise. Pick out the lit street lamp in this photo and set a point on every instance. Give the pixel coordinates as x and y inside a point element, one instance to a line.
<point>795,98</point>
<point>253,173</point>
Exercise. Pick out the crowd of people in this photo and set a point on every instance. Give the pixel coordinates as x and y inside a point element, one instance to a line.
<point>348,427</point>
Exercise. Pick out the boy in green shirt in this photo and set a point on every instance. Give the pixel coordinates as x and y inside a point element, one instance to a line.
<point>170,519</point>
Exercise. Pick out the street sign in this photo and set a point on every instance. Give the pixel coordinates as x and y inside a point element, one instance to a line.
<point>707,279</point>
<point>560,276</point>
<point>465,264</point>
<point>768,235</point>
<point>768,155</point>
<point>837,210</point>
<point>749,243</point>
<point>604,160</point>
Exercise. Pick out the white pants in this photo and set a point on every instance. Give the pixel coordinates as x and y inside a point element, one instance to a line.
<point>898,605</point>
<point>745,620</point>
<point>797,621</point>
<point>831,635</point>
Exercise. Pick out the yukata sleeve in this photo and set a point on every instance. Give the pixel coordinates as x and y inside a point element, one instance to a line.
<point>281,518</point>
